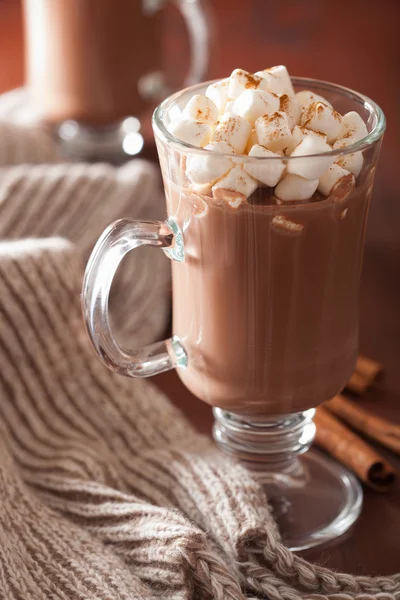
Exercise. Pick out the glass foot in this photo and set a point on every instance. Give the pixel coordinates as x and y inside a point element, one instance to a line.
<point>316,503</point>
<point>114,143</point>
<point>314,498</point>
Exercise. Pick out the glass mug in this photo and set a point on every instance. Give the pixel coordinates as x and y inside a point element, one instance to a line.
<point>92,67</point>
<point>265,313</point>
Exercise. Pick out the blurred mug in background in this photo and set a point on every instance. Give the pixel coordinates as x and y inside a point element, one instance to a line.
<point>94,66</point>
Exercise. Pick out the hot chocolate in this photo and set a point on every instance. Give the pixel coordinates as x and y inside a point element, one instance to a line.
<point>85,57</point>
<point>266,300</point>
<point>268,311</point>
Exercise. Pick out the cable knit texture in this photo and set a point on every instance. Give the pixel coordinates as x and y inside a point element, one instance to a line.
<point>78,201</point>
<point>107,493</point>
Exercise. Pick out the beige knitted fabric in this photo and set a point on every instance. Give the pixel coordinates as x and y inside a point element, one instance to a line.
<point>77,201</point>
<point>20,145</point>
<point>106,492</point>
<point>23,144</point>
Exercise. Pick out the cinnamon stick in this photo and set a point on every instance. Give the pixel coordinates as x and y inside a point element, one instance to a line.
<point>347,447</point>
<point>368,367</point>
<point>357,383</point>
<point>380,430</point>
<point>366,372</point>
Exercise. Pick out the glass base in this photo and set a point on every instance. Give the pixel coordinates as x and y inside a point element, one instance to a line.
<point>114,143</point>
<point>314,498</point>
<point>318,503</point>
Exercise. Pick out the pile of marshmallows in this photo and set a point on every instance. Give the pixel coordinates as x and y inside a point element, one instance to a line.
<point>261,116</point>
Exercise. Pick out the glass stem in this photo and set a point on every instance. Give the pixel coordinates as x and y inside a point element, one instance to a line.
<point>269,447</point>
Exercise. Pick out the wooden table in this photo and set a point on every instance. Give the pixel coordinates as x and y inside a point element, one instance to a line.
<point>355,43</point>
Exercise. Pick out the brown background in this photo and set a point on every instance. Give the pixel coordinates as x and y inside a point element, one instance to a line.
<point>354,43</point>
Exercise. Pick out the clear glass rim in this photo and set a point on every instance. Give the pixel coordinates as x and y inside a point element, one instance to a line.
<point>164,135</point>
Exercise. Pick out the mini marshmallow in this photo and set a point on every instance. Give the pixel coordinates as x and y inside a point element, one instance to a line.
<point>351,162</point>
<point>201,109</point>
<point>336,181</point>
<point>278,80</point>
<point>218,93</point>
<point>342,143</point>
<point>284,225</point>
<point>293,187</point>
<point>268,172</point>
<point>233,199</point>
<point>206,168</point>
<point>174,113</point>
<point>240,81</point>
<point>322,118</point>
<point>234,130</point>
<point>291,106</point>
<point>237,180</point>
<point>198,205</point>
<point>298,134</point>
<point>229,107</point>
<point>273,131</point>
<point>222,146</point>
<point>202,189</point>
<point>226,148</point>
<point>275,85</point>
<point>353,127</point>
<point>252,141</point>
<point>306,98</point>
<point>191,132</point>
<point>252,104</point>
<point>310,167</point>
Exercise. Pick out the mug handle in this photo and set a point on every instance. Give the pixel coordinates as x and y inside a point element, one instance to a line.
<point>199,23</point>
<point>115,242</point>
